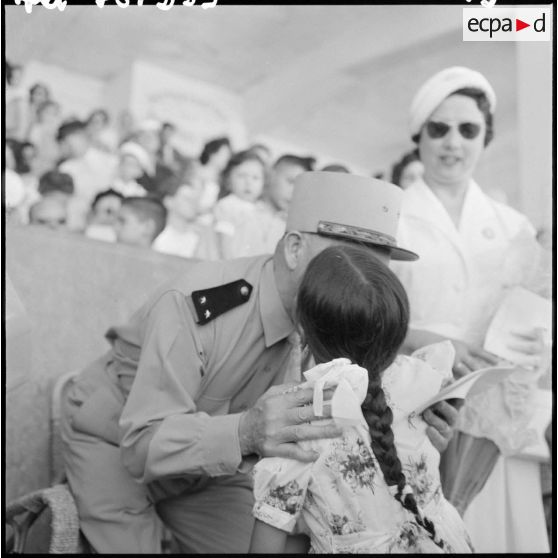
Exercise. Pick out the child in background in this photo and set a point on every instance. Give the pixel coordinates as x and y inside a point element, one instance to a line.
<point>57,184</point>
<point>279,190</point>
<point>134,162</point>
<point>407,170</point>
<point>184,235</point>
<point>140,220</point>
<point>241,224</point>
<point>103,215</point>
<point>43,136</point>
<point>376,489</point>
<point>50,211</point>
<point>91,169</point>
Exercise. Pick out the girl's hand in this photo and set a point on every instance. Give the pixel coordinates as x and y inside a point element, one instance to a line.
<point>441,419</point>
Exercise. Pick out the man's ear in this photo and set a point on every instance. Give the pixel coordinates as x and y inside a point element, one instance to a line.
<point>293,249</point>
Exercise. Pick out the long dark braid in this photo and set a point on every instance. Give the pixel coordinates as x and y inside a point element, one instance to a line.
<point>351,305</point>
<point>379,418</point>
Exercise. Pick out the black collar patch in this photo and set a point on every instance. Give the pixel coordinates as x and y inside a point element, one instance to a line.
<point>213,302</point>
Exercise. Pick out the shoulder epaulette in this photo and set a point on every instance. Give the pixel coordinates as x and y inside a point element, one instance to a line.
<point>210,303</point>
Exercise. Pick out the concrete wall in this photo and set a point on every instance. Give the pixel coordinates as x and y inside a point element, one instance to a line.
<point>70,290</point>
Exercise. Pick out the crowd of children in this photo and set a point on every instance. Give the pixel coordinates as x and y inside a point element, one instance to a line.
<point>128,182</point>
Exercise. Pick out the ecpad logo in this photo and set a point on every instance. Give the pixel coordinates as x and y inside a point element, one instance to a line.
<point>506,24</point>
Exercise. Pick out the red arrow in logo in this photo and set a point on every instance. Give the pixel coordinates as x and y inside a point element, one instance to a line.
<point>519,25</point>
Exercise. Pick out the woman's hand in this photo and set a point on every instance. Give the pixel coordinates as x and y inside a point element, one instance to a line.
<point>279,419</point>
<point>469,358</point>
<point>532,345</point>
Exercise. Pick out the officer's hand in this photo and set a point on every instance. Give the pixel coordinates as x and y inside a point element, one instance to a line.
<point>279,419</point>
<point>441,419</point>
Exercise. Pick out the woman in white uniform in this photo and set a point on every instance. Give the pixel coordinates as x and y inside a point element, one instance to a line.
<point>466,241</point>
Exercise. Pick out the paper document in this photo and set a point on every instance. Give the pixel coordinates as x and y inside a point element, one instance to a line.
<point>473,383</point>
<point>520,310</point>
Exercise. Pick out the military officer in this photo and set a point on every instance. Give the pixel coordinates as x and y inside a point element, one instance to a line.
<point>168,423</point>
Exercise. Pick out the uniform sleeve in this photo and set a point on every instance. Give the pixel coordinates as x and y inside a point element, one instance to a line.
<point>162,434</point>
<point>280,487</point>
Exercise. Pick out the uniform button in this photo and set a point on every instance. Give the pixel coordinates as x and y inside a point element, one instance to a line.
<point>244,290</point>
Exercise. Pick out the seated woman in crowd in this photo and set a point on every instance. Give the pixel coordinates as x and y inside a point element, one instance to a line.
<point>184,235</point>
<point>214,158</point>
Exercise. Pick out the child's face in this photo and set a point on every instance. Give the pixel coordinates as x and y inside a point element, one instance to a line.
<point>50,114</point>
<point>75,145</point>
<point>282,183</point>
<point>106,211</point>
<point>50,212</point>
<point>149,140</point>
<point>130,229</point>
<point>220,158</point>
<point>130,169</point>
<point>185,203</point>
<point>247,181</point>
<point>411,173</point>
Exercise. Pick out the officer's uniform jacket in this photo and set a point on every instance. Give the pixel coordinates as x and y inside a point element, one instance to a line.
<point>197,356</point>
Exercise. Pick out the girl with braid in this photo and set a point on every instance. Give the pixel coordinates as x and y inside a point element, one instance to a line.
<point>377,488</point>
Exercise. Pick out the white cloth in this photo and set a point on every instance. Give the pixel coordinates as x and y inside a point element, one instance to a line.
<point>341,500</point>
<point>462,274</point>
<point>106,233</point>
<point>454,290</point>
<point>442,85</point>
<point>197,242</point>
<point>513,488</point>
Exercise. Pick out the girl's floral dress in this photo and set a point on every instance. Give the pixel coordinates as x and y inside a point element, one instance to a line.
<point>342,502</point>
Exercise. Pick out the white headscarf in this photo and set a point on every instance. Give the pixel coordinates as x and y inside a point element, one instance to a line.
<point>442,85</point>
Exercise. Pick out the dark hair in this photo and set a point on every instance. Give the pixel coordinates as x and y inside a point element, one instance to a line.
<point>69,128</point>
<point>336,167</point>
<point>399,167</point>
<point>55,181</point>
<point>211,147</point>
<point>307,163</point>
<point>36,86</point>
<point>235,161</point>
<point>148,207</point>
<point>351,305</point>
<point>105,194</point>
<point>483,105</point>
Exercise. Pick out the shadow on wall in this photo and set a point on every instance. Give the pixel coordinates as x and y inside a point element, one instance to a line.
<point>64,291</point>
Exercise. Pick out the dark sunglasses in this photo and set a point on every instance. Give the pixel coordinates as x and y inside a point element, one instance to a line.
<point>437,130</point>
